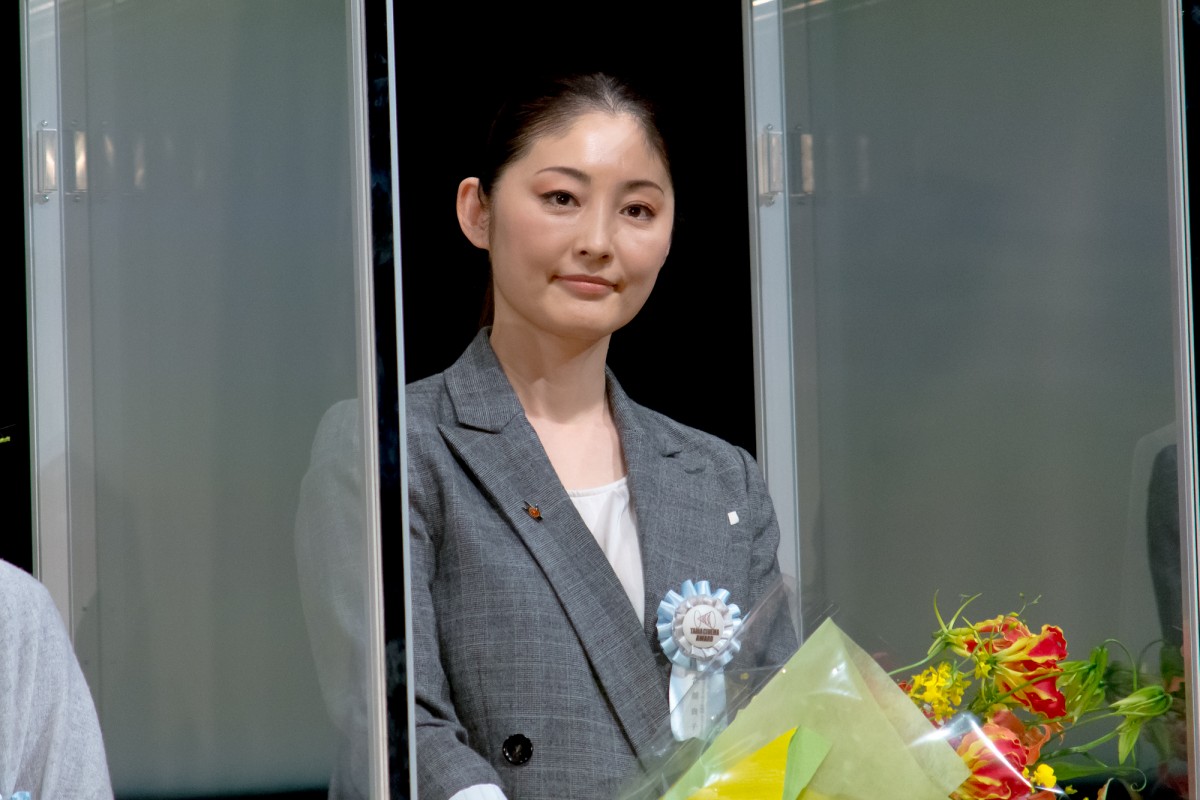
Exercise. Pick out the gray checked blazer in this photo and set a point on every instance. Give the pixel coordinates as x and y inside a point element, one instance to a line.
<point>520,626</point>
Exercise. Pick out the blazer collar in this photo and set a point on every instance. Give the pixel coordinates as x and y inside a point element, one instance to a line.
<point>482,396</point>
<point>495,441</point>
<point>484,399</point>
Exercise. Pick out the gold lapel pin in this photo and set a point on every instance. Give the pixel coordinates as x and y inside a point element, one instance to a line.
<point>533,511</point>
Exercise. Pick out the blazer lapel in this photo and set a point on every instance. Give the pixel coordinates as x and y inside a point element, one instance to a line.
<point>496,443</point>
<point>666,474</point>
<point>644,458</point>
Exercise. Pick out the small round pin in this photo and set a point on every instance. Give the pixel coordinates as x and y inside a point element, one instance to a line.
<point>533,511</point>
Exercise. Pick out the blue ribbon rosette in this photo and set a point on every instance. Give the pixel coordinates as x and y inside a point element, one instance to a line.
<point>696,628</point>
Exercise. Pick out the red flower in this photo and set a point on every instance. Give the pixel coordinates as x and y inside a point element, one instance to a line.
<point>1019,661</point>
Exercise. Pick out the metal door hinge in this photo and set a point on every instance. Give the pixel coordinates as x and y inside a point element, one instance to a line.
<point>46,141</point>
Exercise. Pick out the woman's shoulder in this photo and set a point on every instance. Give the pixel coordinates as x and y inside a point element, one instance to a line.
<point>674,436</point>
<point>673,430</point>
<point>471,390</point>
<point>426,391</point>
<point>427,404</point>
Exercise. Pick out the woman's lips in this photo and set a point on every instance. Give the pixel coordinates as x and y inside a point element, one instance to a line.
<point>586,285</point>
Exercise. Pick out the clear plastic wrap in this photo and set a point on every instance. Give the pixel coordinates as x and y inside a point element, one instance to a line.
<point>829,724</point>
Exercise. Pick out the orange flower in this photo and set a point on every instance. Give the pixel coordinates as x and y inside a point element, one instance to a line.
<point>1032,738</point>
<point>997,761</point>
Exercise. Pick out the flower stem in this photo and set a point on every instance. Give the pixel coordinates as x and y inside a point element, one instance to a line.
<point>1081,749</point>
<point>911,667</point>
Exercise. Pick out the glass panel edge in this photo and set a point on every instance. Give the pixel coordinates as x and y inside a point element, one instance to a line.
<point>365,319</point>
<point>1184,371</point>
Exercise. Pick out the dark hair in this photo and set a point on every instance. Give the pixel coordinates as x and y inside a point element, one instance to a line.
<point>551,107</point>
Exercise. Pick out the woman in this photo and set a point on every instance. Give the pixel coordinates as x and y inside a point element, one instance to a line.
<point>550,514</point>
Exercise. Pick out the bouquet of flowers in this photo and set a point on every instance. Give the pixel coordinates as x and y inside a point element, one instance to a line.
<point>981,717</point>
<point>1022,696</point>
<point>829,724</point>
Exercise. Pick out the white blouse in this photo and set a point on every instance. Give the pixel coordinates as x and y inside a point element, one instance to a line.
<point>608,513</point>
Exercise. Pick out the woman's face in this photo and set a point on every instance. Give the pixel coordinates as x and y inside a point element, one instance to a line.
<point>577,229</point>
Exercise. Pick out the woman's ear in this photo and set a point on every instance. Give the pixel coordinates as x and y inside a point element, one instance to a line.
<point>473,213</point>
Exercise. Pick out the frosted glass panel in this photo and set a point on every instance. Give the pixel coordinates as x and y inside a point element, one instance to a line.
<point>212,275</point>
<point>984,283</point>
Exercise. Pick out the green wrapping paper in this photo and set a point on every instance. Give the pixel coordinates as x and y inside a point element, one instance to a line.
<point>834,694</point>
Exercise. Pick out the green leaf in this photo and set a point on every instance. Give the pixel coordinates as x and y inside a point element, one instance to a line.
<point>1082,683</point>
<point>1130,729</point>
<point>1068,771</point>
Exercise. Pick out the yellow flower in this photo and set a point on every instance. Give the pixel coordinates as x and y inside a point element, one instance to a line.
<point>1044,777</point>
<point>939,689</point>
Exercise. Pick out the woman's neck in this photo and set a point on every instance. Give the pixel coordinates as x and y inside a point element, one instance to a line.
<point>561,386</point>
<point>557,380</point>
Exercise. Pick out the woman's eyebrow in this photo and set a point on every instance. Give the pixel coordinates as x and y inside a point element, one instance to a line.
<point>570,172</point>
<point>643,184</point>
<point>584,178</point>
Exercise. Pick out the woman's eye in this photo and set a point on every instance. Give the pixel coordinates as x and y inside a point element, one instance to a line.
<point>559,198</point>
<point>639,212</point>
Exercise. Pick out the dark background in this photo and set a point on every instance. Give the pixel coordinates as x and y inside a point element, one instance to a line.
<point>689,353</point>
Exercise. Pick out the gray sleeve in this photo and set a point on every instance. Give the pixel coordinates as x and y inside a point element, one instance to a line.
<point>332,566</point>
<point>50,743</point>
<point>779,634</point>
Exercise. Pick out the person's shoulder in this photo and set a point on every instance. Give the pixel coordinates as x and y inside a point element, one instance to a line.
<point>341,422</point>
<point>23,598</point>
<point>13,578</point>
<point>425,388</point>
<point>28,615</point>
<point>675,435</point>
<point>426,401</point>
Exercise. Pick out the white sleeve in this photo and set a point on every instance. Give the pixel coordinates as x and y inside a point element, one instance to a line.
<point>480,791</point>
<point>50,741</point>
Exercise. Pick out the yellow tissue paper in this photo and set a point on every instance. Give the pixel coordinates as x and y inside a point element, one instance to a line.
<point>755,777</point>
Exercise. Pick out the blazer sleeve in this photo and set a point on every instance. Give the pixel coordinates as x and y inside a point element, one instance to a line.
<point>331,539</point>
<point>446,763</point>
<point>778,641</point>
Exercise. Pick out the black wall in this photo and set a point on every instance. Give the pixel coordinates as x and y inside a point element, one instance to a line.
<point>689,353</point>
<point>16,527</point>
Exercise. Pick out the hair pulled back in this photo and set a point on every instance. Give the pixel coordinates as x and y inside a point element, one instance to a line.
<point>551,107</point>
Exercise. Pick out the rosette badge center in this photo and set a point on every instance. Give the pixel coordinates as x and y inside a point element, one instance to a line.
<point>702,629</point>
<point>698,626</point>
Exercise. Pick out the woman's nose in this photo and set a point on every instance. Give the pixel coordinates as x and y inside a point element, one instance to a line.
<point>595,237</point>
